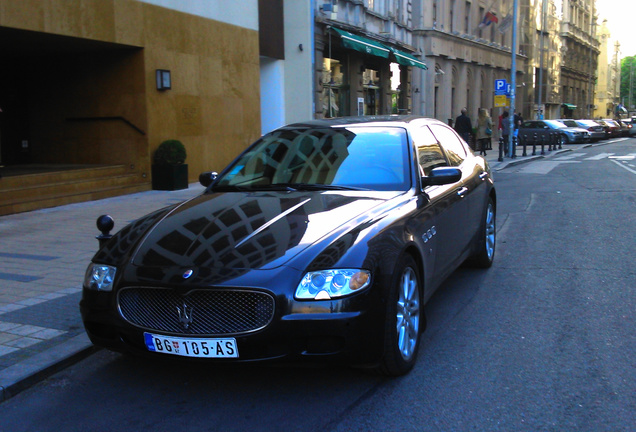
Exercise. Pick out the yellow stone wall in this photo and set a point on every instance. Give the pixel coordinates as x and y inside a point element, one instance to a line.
<point>213,106</point>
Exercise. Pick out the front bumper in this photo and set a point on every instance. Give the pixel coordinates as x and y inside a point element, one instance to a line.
<point>348,330</point>
<point>578,138</point>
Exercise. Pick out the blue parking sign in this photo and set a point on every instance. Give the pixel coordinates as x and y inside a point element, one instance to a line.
<point>501,87</point>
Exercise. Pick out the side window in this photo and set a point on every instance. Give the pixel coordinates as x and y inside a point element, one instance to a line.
<point>451,142</point>
<point>429,153</point>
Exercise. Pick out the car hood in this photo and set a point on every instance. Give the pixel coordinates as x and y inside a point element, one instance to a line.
<point>248,230</point>
<point>573,129</point>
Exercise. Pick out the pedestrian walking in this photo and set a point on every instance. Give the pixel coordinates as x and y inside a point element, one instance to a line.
<point>463,126</point>
<point>484,131</point>
<point>517,120</point>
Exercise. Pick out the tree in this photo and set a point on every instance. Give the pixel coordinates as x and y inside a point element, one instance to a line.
<point>628,79</point>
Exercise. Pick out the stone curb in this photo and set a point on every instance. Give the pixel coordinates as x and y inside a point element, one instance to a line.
<point>23,375</point>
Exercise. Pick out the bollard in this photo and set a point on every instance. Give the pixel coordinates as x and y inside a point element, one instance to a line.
<point>524,141</point>
<point>501,147</point>
<point>105,223</point>
<point>535,139</point>
<point>514,147</point>
<point>542,144</point>
<point>560,141</point>
<point>550,141</point>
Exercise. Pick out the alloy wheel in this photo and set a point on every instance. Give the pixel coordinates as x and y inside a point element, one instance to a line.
<point>408,314</point>
<point>490,231</point>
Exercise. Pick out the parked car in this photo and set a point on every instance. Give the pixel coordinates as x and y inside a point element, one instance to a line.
<point>612,129</point>
<point>632,130</point>
<point>321,241</point>
<point>595,130</point>
<point>625,126</point>
<point>549,128</point>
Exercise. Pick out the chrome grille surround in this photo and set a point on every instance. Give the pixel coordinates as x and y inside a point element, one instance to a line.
<point>212,311</point>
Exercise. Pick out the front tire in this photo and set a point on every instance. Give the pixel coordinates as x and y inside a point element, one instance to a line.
<point>404,321</point>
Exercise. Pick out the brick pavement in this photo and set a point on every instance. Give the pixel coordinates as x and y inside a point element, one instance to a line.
<point>43,257</point>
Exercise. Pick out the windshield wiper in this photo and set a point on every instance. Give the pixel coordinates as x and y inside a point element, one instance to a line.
<point>267,187</point>
<point>317,187</point>
<point>287,187</point>
<point>231,188</point>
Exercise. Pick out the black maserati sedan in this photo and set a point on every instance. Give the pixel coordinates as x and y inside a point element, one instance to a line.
<point>321,241</point>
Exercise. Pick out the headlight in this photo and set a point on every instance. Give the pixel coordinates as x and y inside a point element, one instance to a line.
<point>328,284</point>
<point>99,277</point>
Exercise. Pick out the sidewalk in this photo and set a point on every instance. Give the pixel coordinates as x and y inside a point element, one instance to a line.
<point>492,156</point>
<point>43,256</point>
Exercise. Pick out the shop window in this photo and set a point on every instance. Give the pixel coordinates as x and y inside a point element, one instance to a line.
<point>371,86</point>
<point>396,88</point>
<point>335,91</point>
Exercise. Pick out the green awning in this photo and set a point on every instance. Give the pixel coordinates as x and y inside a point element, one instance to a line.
<point>407,59</point>
<point>362,44</point>
<point>569,106</point>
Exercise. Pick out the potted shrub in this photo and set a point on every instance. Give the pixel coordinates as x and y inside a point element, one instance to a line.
<point>169,170</point>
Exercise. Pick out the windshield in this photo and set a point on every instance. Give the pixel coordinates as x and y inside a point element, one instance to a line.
<point>555,124</point>
<point>569,123</point>
<point>373,158</point>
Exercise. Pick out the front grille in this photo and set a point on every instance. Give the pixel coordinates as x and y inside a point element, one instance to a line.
<point>200,312</point>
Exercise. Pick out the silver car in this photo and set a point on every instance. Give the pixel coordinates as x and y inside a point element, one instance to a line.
<point>597,131</point>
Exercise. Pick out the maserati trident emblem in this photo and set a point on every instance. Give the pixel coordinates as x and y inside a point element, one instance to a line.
<point>185,315</point>
<point>187,274</point>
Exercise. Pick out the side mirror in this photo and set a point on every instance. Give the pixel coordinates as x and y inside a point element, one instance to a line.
<point>441,176</point>
<point>207,178</point>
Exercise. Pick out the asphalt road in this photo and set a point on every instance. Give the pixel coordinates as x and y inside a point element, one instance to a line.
<point>543,341</point>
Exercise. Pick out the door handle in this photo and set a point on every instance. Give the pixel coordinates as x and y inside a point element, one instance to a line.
<point>483,175</point>
<point>462,191</point>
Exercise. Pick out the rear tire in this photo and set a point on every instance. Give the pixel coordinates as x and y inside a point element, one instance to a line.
<point>486,238</point>
<point>404,320</point>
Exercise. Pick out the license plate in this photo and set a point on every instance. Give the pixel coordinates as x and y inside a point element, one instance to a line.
<point>205,348</point>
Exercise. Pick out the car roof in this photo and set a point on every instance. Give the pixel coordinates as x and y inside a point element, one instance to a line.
<point>382,120</point>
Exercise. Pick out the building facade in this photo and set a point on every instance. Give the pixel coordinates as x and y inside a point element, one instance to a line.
<point>448,56</point>
<point>580,47</point>
<point>80,84</point>
<point>365,58</point>
<point>540,42</point>
<point>468,46</point>
<point>607,95</point>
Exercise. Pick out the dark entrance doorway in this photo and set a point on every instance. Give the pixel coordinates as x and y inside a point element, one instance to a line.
<point>47,81</point>
<point>73,120</point>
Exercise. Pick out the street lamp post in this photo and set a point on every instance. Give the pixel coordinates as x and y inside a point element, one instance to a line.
<point>590,94</point>
<point>543,25</point>
<point>631,82</point>
<point>513,78</point>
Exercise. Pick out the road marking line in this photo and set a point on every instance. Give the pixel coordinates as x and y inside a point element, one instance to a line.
<point>623,166</point>
<point>600,156</point>
<point>570,156</point>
